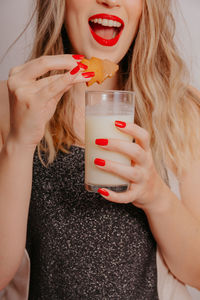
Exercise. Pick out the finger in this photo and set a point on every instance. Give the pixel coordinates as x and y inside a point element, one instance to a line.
<point>130,173</point>
<point>132,150</point>
<point>40,66</point>
<point>122,197</point>
<point>140,135</point>
<point>62,84</point>
<point>39,84</point>
<point>33,88</point>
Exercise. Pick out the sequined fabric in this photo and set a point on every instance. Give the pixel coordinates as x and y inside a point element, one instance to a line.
<point>82,246</point>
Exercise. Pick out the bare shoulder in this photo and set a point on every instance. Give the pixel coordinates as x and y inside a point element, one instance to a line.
<point>4,111</point>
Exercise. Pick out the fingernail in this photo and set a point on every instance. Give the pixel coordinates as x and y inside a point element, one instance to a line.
<point>75,70</point>
<point>103,192</point>
<point>99,162</point>
<point>88,74</point>
<point>101,142</point>
<point>82,66</point>
<point>77,56</point>
<point>120,124</point>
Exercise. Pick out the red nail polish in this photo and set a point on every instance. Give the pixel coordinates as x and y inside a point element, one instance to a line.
<point>101,142</point>
<point>99,162</point>
<point>75,70</point>
<point>77,56</point>
<point>103,192</point>
<point>120,124</point>
<point>82,66</point>
<point>88,74</point>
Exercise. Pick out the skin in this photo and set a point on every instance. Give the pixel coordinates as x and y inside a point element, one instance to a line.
<point>76,23</point>
<point>175,224</point>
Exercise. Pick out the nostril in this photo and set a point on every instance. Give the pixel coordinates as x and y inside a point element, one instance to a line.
<point>108,3</point>
<point>104,4</point>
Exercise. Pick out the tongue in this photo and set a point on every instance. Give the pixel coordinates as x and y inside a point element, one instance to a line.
<point>103,31</point>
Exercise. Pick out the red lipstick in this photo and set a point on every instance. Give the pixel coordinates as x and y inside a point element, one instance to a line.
<point>104,41</point>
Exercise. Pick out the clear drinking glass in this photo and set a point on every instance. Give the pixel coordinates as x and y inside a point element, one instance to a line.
<point>102,109</point>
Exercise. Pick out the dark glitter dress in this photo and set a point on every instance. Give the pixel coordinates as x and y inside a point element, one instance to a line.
<point>82,246</point>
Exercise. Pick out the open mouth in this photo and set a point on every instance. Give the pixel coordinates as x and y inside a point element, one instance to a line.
<point>106,29</point>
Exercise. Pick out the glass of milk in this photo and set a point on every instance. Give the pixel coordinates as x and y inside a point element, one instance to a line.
<point>102,109</point>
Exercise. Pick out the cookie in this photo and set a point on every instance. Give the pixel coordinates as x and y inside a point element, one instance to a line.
<point>103,69</point>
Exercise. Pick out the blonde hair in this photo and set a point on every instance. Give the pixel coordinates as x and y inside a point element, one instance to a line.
<point>165,106</point>
<point>59,134</point>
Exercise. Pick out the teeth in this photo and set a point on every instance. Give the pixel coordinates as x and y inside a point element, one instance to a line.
<point>106,22</point>
<point>111,23</point>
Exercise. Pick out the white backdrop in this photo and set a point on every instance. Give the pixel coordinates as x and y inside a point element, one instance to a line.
<point>14,15</point>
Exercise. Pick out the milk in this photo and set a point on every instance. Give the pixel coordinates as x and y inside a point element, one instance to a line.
<point>103,126</point>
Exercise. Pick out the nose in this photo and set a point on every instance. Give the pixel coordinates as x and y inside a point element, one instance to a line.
<point>109,3</point>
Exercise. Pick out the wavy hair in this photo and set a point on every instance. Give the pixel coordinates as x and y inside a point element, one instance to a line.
<point>165,105</point>
<point>59,134</point>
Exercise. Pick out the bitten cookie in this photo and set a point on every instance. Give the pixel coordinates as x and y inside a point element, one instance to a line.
<point>103,69</point>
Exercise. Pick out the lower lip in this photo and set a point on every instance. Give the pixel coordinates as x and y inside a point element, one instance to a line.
<point>105,42</point>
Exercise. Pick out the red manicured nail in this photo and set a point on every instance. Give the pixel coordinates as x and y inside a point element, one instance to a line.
<point>75,70</point>
<point>103,192</point>
<point>101,142</point>
<point>99,162</point>
<point>77,56</point>
<point>82,66</point>
<point>88,74</point>
<point>120,124</point>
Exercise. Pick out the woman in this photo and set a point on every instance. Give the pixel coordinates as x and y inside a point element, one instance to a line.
<point>83,246</point>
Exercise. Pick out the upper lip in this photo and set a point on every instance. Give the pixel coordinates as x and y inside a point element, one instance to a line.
<point>108,17</point>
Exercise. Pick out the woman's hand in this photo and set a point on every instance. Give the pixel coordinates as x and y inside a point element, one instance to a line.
<point>33,101</point>
<point>145,183</point>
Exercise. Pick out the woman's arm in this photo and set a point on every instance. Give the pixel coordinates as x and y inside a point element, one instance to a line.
<point>32,103</point>
<point>15,187</point>
<point>176,228</point>
<point>181,222</point>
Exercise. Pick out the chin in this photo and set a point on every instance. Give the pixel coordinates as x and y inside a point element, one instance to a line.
<point>103,53</point>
